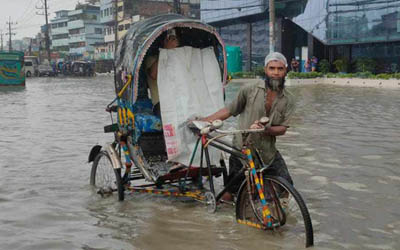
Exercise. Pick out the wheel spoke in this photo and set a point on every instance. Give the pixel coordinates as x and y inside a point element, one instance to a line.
<point>105,178</point>
<point>286,207</point>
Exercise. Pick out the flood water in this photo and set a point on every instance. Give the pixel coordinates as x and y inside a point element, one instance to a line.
<point>343,151</point>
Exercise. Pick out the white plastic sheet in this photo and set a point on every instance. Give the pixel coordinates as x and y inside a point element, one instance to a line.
<point>189,85</point>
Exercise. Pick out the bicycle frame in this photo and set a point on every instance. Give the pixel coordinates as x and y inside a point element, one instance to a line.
<point>246,155</point>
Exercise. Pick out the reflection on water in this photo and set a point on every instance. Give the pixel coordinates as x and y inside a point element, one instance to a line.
<point>342,150</point>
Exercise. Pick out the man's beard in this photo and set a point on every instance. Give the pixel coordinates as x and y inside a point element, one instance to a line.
<point>275,84</point>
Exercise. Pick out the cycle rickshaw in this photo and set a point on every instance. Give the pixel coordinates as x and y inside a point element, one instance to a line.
<point>174,154</point>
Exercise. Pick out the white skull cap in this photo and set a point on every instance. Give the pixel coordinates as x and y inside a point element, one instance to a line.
<point>275,56</point>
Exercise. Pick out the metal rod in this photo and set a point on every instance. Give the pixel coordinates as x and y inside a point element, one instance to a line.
<point>209,170</point>
<point>226,144</point>
<point>201,167</point>
<point>236,154</point>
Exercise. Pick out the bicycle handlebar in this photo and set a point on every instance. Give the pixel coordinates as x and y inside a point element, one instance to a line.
<point>240,131</point>
<point>215,125</point>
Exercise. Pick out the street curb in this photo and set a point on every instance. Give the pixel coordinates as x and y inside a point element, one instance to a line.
<point>354,82</point>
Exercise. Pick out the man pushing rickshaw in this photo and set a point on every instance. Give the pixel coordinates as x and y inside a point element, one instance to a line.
<point>161,145</point>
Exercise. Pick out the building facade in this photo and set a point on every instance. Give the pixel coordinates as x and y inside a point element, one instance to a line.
<point>131,11</point>
<point>105,51</point>
<point>59,34</point>
<point>85,30</point>
<point>329,29</point>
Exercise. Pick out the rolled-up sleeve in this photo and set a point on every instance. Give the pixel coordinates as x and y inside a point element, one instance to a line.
<point>288,113</point>
<point>237,105</point>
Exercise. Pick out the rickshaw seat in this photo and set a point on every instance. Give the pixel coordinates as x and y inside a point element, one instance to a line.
<point>143,106</point>
<point>145,122</point>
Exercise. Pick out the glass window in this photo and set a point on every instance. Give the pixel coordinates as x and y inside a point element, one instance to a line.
<point>397,50</point>
<point>98,31</point>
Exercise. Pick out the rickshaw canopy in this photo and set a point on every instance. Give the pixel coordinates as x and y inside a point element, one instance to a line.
<point>145,36</point>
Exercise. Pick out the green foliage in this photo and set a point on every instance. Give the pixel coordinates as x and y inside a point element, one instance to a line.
<point>259,71</point>
<point>396,75</point>
<point>365,74</point>
<point>365,65</point>
<point>324,66</point>
<point>384,76</point>
<point>341,75</point>
<point>243,74</point>
<point>304,75</point>
<point>341,65</point>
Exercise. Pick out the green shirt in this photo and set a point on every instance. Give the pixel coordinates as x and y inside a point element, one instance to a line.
<point>250,105</point>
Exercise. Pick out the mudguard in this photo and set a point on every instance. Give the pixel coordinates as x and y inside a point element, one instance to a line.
<point>115,159</point>
<point>93,152</point>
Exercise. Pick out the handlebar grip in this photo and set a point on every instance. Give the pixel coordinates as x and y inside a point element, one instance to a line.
<point>205,130</point>
<point>217,124</point>
<point>264,120</point>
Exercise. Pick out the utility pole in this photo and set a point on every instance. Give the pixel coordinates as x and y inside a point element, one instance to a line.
<point>115,27</point>
<point>10,34</point>
<point>1,34</point>
<point>30,47</point>
<point>271,26</point>
<point>46,34</point>
<point>177,7</point>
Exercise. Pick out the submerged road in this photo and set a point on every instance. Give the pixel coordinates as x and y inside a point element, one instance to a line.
<point>343,151</point>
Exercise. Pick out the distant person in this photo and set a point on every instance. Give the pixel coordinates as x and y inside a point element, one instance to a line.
<point>294,65</point>
<point>314,63</point>
<point>307,65</point>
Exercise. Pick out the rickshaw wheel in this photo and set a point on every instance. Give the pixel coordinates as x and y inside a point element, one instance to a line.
<point>210,202</point>
<point>105,178</point>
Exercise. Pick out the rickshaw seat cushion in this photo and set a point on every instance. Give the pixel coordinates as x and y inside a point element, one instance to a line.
<point>147,123</point>
<point>142,106</point>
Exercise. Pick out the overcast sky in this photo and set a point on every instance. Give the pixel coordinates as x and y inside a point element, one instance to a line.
<point>24,13</point>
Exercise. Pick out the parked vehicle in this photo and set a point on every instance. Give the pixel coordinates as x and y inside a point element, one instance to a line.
<point>46,70</point>
<point>12,70</point>
<point>30,68</point>
<point>82,68</point>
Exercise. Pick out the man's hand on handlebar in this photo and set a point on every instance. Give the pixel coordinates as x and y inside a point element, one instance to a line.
<point>260,124</point>
<point>256,125</point>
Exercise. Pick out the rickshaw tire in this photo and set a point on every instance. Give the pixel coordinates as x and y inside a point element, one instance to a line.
<point>239,199</point>
<point>309,235</point>
<point>117,173</point>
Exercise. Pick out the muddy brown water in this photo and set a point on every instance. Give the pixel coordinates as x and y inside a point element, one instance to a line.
<point>343,151</point>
